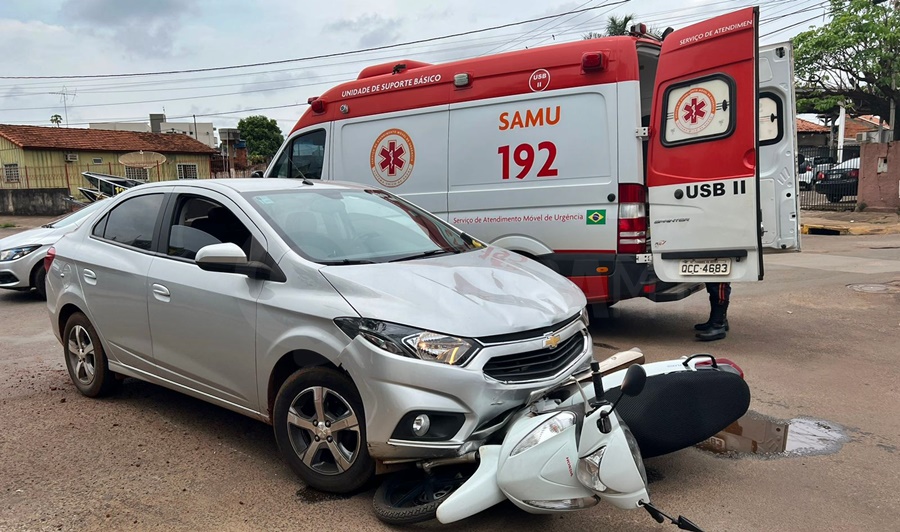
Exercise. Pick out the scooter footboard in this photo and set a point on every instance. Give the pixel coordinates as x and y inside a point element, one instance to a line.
<point>681,409</point>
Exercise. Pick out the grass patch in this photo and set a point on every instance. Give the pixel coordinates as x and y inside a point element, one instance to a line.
<point>6,225</point>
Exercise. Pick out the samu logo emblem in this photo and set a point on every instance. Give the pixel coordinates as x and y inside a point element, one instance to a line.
<point>392,158</point>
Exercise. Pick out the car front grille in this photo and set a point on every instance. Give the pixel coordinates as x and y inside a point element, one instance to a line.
<point>535,365</point>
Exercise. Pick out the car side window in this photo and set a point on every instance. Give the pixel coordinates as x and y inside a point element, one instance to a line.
<point>132,222</point>
<point>199,222</point>
<point>305,157</point>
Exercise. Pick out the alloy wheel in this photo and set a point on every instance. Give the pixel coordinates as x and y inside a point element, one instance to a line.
<point>324,430</point>
<point>82,354</point>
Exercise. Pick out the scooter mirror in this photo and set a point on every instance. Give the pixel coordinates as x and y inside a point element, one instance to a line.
<point>634,380</point>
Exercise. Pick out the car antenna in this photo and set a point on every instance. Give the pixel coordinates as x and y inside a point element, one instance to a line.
<point>303,179</point>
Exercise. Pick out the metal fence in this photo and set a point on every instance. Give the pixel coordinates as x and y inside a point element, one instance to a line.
<point>823,157</point>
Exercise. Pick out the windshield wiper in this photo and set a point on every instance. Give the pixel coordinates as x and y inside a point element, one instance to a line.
<point>428,253</point>
<point>347,262</point>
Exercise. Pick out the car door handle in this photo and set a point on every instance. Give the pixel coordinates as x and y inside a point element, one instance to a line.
<point>160,292</point>
<point>90,277</point>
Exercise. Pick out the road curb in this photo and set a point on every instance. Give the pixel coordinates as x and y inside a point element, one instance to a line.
<point>840,229</point>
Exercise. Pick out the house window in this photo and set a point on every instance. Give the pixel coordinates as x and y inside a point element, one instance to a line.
<point>133,172</point>
<point>11,173</point>
<point>98,160</point>
<point>187,171</point>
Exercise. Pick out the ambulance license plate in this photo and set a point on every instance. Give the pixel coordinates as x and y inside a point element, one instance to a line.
<point>705,267</point>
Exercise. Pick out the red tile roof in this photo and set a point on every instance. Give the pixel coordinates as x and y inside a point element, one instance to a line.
<point>857,125</point>
<point>61,138</point>
<point>805,126</point>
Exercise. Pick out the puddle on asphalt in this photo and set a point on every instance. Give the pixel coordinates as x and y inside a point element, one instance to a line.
<point>755,434</point>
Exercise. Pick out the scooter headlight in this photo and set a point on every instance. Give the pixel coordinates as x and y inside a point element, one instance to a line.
<point>588,471</point>
<point>545,431</point>
<point>635,452</point>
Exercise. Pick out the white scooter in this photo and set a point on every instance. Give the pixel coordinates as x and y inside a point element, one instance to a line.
<point>570,448</point>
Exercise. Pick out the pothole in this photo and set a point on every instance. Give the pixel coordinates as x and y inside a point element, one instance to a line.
<point>755,434</point>
<point>892,287</point>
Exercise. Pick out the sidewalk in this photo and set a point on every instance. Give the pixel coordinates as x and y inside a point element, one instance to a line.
<point>849,223</point>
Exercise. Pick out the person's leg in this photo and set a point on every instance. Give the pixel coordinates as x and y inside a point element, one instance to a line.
<point>716,294</point>
<point>719,297</point>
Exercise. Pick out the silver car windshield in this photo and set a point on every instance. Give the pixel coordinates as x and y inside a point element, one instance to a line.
<point>335,227</point>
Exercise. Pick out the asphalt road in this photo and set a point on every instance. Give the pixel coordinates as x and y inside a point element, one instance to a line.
<point>811,347</point>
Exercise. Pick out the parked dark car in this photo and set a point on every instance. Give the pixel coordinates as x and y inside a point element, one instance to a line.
<point>838,181</point>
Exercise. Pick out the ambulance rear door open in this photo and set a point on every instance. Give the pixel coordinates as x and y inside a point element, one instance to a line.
<point>702,169</point>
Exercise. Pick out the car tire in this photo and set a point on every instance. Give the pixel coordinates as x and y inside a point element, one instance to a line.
<point>86,359</point>
<point>39,279</point>
<point>834,198</point>
<point>326,458</point>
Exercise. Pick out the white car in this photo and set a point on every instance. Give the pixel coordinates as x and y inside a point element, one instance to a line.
<point>22,254</point>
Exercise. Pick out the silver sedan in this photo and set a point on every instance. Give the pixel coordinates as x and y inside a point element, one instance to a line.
<point>363,328</point>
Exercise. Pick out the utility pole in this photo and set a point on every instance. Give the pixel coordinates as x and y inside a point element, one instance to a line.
<point>64,96</point>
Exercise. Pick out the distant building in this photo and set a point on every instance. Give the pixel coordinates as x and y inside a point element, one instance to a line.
<point>51,157</point>
<point>204,131</point>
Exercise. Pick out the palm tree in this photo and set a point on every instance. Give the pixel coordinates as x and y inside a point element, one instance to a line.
<point>56,119</point>
<point>619,26</point>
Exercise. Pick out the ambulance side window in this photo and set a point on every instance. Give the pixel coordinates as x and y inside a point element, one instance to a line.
<point>303,158</point>
<point>698,110</point>
<point>771,119</point>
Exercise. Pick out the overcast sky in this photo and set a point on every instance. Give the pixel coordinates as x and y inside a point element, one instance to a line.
<point>90,37</point>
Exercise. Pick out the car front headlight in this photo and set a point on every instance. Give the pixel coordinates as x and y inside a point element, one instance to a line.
<point>585,317</point>
<point>16,253</point>
<point>410,342</point>
<point>546,430</point>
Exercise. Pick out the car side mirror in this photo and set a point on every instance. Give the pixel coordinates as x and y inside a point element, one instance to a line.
<point>230,258</point>
<point>257,173</point>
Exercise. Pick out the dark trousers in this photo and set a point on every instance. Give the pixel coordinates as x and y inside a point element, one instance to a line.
<point>719,292</point>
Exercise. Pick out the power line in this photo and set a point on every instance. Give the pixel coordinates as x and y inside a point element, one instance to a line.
<point>320,56</point>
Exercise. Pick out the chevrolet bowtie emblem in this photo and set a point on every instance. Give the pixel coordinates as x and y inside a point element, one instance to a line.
<point>551,341</point>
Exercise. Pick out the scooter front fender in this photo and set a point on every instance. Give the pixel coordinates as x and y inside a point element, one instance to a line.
<point>478,493</point>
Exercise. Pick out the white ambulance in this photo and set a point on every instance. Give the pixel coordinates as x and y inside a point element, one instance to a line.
<point>636,168</point>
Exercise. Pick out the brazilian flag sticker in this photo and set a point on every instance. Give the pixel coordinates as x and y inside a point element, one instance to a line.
<point>596,217</point>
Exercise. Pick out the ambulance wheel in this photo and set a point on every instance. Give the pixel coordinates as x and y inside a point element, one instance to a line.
<point>413,496</point>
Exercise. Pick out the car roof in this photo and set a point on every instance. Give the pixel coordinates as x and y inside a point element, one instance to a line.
<point>257,184</point>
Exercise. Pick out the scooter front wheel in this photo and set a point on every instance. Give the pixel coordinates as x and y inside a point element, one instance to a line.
<point>413,496</point>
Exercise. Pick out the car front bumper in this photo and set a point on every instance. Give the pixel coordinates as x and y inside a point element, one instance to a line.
<point>16,274</point>
<point>394,387</point>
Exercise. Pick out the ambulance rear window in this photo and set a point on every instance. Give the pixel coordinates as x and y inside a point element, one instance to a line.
<point>698,110</point>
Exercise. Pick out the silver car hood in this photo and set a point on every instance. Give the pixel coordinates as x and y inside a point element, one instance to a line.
<point>38,236</point>
<point>479,293</point>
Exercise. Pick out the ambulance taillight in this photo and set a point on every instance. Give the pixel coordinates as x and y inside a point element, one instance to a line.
<point>632,219</point>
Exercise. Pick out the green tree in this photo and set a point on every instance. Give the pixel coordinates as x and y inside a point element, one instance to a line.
<point>263,136</point>
<point>56,120</point>
<point>618,26</point>
<point>854,58</point>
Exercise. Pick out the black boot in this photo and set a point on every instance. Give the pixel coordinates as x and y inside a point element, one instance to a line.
<point>718,323</point>
<point>705,326</point>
